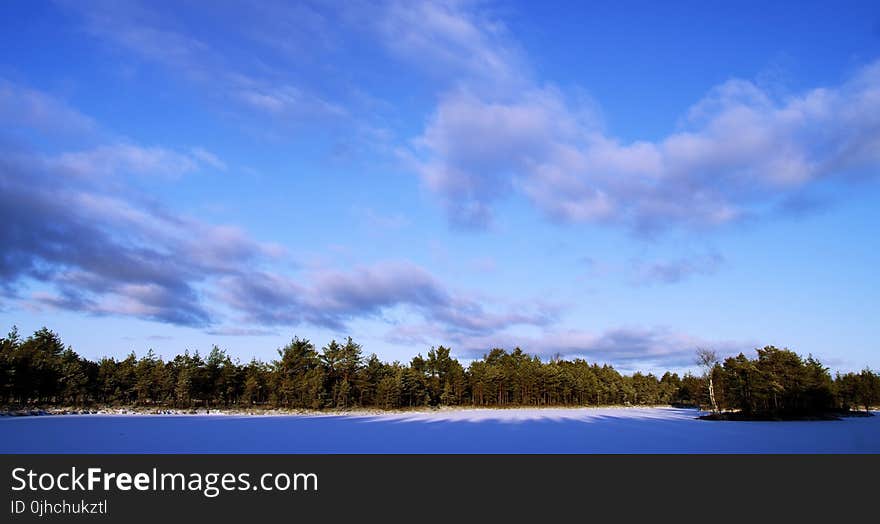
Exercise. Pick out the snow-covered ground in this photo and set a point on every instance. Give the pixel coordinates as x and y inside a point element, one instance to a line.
<point>589,430</point>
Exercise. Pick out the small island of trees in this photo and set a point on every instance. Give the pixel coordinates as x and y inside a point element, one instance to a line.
<point>40,371</point>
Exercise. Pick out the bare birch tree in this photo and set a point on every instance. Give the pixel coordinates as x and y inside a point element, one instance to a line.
<point>707,359</point>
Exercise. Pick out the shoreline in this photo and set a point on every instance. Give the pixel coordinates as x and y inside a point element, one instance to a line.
<point>139,411</point>
<point>145,411</point>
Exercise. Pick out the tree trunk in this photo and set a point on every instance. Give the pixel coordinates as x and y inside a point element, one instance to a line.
<point>712,395</point>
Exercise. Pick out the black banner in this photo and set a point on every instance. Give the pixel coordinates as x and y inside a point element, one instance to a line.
<point>241,488</point>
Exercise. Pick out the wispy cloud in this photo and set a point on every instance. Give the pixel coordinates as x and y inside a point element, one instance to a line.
<point>208,158</point>
<point>627,347</point>
<point>24,107</point>
<point>127,158</point>
<point>452,39</point>
<point>241,332</point>
<point>257,84</point>
<point>283,101</point>
<point>378,222</point>
<point>675,270</point>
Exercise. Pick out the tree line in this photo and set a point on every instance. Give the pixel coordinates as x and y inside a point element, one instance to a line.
<point>41,370</point>
<point>779,383</point>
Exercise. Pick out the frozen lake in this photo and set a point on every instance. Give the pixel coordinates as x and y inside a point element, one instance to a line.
<point>603,430</point>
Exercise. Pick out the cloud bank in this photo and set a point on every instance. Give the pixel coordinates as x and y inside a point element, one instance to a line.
<point>77,237</point>
<point>737,153</point>
<point>629,348</point>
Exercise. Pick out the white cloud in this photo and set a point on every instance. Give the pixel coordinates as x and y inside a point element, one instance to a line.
<point>452,39</point>
<point>24,107</point>
<point>287,101</point>
<point>257,84</point>
<point>737,152</point>
<point>130,159</point>
<point>208,158</point>
<point>739,149</point>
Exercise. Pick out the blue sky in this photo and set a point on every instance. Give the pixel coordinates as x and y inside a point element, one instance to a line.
<point>620,181</point>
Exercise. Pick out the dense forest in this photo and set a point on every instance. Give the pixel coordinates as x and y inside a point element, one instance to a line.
<point>41,371</point>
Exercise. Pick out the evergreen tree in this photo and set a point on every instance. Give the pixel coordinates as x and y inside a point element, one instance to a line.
<point>776,383</point>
